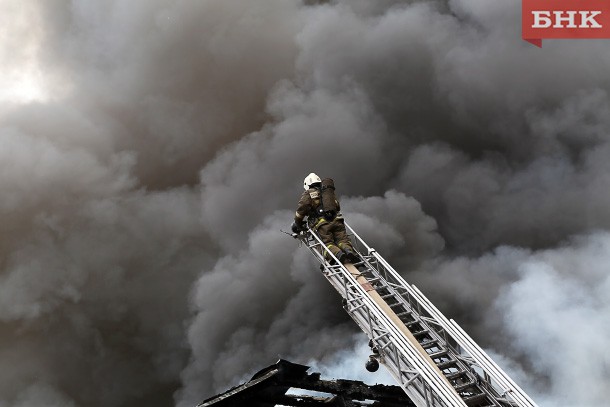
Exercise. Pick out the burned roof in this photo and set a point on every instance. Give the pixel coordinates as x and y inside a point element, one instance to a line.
<point>270,387</point>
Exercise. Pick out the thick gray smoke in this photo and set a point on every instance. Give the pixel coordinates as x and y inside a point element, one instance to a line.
<point>151,151</point>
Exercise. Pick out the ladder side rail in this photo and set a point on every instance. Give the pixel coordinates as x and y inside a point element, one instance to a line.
<point>389,270</point>
<point>317,248</point>
<point>495,374</point>
<point>484,361</point>
<point>441,336</point>
<point>410,299</point>
<point>366,252</point>
<point>423,318</point>
<point>425,312</point>
<point>451,390</point>
<point>368,324</point>
<point>500,377</point>
<point>412,305</point>
<point>469,353</point>
<point>439,385</point>
<point>393,356</point>
<point>399,367</point>
<point>510,384</point>
<point>481,357</point>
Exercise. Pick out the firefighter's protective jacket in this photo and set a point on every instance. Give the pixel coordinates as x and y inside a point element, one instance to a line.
<point>308,206</point>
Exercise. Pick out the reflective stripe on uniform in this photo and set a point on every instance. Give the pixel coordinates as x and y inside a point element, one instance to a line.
<point>319,222</point>
<point>328,250</point>
<point>298,216</point>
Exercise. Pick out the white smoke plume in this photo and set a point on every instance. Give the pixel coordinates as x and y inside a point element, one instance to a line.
<point>151,151</point>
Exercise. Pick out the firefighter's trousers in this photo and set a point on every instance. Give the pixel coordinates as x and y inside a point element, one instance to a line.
<point>334,236</point>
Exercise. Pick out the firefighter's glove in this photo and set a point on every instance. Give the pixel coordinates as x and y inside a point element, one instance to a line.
<point>296,227</point>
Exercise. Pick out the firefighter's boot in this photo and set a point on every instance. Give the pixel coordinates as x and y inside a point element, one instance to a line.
<point>350,255</point>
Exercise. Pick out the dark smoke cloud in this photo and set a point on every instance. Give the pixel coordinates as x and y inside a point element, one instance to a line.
<point>101,213</point>
<point>152,150</point>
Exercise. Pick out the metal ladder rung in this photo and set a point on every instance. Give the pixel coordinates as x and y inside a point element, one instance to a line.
<point>445,365</point>
<point>410,324</point>
<point>438,354</point>
<point>474,400</point>
<point>464,386</point>
<point>396,304</point>
<point>429,344</point>
<point>455,375</point>
<point>421,333</point>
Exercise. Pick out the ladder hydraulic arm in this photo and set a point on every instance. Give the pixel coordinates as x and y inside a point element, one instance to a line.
<point>432,358</point>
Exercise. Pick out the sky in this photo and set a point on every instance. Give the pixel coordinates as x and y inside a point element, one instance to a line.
<point>152,150</point>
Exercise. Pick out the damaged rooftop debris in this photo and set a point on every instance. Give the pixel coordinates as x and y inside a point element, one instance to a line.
<point>289,384</point>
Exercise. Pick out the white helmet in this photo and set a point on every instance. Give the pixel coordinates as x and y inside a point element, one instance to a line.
<point>311,179</point>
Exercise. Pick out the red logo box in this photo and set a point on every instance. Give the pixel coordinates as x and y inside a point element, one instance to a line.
<point>565,19</point>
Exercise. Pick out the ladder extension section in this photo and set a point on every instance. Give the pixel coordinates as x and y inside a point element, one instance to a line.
<point>432,358</point>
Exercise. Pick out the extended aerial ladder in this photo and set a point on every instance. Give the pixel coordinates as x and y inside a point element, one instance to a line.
<point>432,358</point>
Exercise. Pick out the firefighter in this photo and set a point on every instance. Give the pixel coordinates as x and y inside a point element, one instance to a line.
<point>321,208</point>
